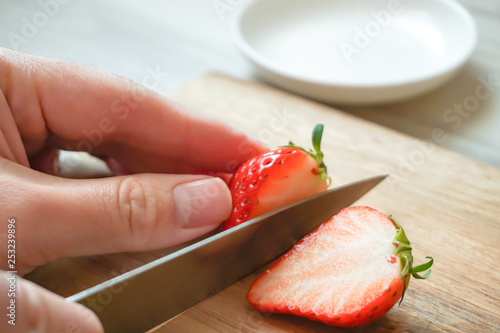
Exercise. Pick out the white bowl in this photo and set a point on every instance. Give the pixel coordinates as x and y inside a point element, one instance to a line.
<point>356,51</point>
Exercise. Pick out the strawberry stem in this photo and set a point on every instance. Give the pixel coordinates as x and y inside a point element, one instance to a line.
<point>403,249</point>
<point>317,154</point>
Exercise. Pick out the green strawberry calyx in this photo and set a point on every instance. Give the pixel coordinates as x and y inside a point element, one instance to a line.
<point>317,154</point>
<point>403,249</point>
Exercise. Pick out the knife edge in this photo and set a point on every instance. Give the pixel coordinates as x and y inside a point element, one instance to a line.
<point>224,251</point>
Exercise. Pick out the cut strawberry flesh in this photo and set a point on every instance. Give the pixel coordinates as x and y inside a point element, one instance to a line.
<point>291,180</point>
<point>271,181</point>
<point>337,271</point>
<point>275,179</point>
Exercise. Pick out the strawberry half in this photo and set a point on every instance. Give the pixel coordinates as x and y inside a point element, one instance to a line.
<point>349,272</point>
<point>275,179</point>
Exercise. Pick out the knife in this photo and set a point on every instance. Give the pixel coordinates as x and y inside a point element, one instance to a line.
<point>156,292</point>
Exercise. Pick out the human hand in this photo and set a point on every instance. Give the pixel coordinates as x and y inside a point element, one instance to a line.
<point>47,105</point>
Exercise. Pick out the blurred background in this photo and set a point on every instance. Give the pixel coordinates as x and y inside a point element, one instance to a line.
<point>173,41</point>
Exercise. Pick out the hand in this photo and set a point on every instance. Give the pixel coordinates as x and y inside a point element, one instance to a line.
<point>46,105</point>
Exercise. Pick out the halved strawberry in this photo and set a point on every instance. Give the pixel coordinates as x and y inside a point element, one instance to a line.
<point>277,178</point>
<point>349,272</point>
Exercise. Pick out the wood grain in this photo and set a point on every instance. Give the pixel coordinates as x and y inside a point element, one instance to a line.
<point>448,204</point>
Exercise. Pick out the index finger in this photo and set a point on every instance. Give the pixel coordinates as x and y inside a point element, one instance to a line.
<point>75,107</point>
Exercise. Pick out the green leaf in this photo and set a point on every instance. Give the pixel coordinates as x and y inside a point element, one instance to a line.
<point>403,249</point>
<point>317,154</point>
<point>421,277</point>
<point>316,140</point>
<point>421,268</point>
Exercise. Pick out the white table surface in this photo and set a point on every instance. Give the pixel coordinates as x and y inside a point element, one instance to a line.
<point>180,39</point>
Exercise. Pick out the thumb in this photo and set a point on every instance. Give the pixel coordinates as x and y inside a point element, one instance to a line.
<point>58,217</point>
<point>31,308</point>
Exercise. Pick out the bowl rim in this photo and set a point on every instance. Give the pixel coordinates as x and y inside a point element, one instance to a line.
<point>269,66</point>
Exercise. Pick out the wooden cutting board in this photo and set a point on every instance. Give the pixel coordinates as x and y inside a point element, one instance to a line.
<point>448,204</point>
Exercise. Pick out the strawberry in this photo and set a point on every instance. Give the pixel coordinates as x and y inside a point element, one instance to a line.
<point>275,179</point>
<point>349,272</point>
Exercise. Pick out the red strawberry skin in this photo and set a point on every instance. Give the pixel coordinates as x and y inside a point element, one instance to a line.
<point>272,180</point>
<point>344,274</point>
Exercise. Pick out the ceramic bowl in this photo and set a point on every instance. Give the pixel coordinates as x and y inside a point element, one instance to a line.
<point>355,52</point>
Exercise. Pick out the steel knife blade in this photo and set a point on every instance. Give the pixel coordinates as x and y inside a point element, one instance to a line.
<point>156,292</point>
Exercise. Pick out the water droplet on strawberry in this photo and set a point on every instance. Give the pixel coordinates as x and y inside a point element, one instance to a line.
<point>267,161</point>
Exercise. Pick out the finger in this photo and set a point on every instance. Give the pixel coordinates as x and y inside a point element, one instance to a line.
<point>89,108</point>
<point>22,98</point>
<point>31,308</point>
<point>11,145</point>
<point>66,217</point>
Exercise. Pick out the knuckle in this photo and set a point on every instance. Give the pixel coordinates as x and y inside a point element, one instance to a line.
<point>138,209</point>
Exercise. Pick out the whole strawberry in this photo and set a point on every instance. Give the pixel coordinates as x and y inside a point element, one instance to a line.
<point>277,178</point>
<point>349,272</point>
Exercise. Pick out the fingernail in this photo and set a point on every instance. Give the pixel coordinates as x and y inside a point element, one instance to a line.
<point>202,203</point>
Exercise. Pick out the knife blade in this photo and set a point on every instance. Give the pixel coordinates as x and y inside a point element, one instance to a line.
<point>158,291</point>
